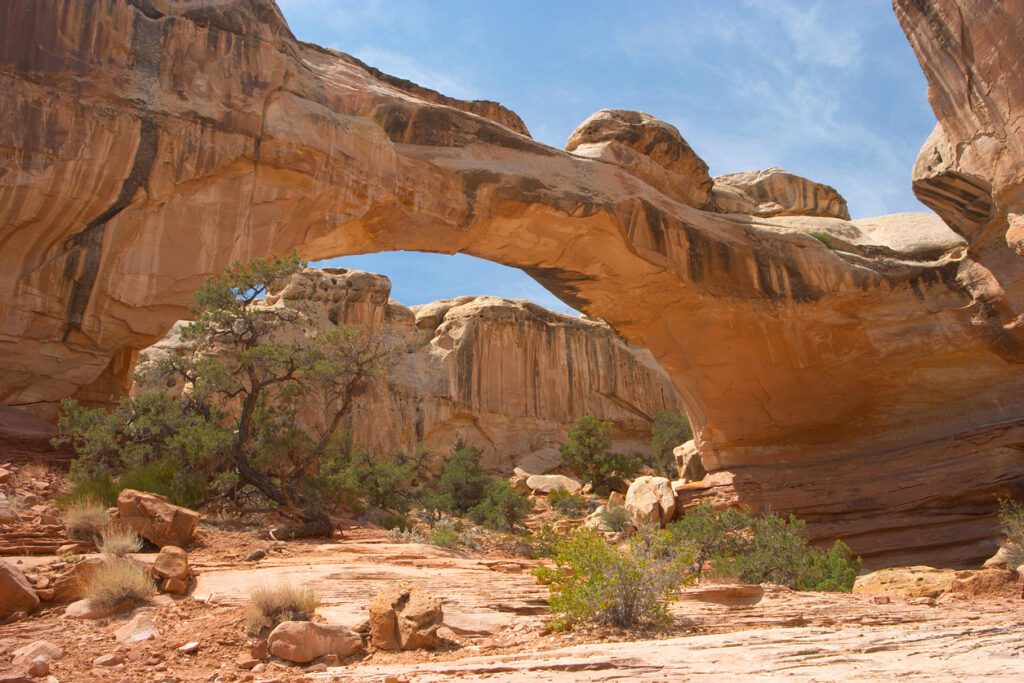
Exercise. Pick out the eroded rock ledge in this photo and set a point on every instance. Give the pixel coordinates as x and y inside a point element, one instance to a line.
<point>150,143</point>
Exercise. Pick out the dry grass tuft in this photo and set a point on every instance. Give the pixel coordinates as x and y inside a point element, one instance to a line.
<point>85,519</point>
<point>119,580</point>
<point>270,606</point>
<point>117,540</point>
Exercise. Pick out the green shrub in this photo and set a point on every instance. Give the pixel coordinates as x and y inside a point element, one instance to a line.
<point>98,489</point>
<point>822,237</point>
<point>668,430</point>
<point>1011,522</point>
<point>616,518</point>
<point>596,582</point>
<point>713,532</point>
<point>588,453</point>
<point>462,482</point>
<point>445,535</point>
<point>777,552</point>
<point>566,503</point>
<point>502,507</point>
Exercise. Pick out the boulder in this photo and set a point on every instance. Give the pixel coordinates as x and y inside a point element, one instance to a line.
<point>651,500</point>
<point>156,518</point>
<point>541,461</point>
<point>616,499</point>
<point>87,609</point>
<point>908,582</point>
<point>171,563</point>
<point>303,641</point>
<point>40,649</point>
<point>775,192</point>
<point>546,483</point>
<point>404,617</point>
<point>647,148</point>
<point>16,593</point>
<point>1002,558</point>
<point>69,584</point>
<point>138,629</point>
<point>688,462</point>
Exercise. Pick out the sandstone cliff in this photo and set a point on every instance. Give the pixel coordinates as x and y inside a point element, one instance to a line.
<point>508,377</point>
<point>870,381</point>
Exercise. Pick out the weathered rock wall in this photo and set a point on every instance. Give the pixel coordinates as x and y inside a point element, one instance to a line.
<point>508,377</point>
<point>150,143</point>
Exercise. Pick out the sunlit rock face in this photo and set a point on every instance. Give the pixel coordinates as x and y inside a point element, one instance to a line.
<point>506,376</point>
<point>864,374</point>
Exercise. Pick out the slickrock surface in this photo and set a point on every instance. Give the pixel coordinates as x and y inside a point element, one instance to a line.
<point>151,143</point>
<point>508,377</point>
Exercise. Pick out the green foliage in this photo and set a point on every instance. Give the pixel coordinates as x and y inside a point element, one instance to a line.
<point>1011,522</point>
<point>822,237</point>
<point>764,549</point>
<point>588,453</point>
<point>566,503</point>
<point>267,366</point>
<point>462,482</point>
<point>711,533</point>
<point>445,535</point>
<point>596,582</point>
<point>150,442</point>
<point>668,430</point>
<point>502,507</point>
<point>616,518</point>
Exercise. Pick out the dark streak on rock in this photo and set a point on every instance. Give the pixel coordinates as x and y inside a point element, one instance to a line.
<point>86,247</point>
<point>561,283</point>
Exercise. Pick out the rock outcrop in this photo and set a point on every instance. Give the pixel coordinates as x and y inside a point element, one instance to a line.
<point>508,377</point>
<point>156,518</point>
<point>303,641</point>
<point>774,192</point>
<point>149,144</point>
<point>16,593</point>
<point>405,617</point>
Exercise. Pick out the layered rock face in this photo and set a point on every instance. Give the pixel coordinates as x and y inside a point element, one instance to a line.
<point>871,383</point>
<point>508,377</point>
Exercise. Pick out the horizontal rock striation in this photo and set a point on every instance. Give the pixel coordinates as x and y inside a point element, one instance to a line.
<point>150,143</point>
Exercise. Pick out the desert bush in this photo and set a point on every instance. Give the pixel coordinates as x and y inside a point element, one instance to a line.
<point>117,540</point>
<point>1011,522</point>
<point>616,518</point>
<point>502,507</point>
<point>711,533</point>
<point>462,482</point>
<point>119,580</point>
<point>269,606</point>
<point>588,453</point>
<point>596,582</point>
<point>566,503</point>
<point>822,237</point>
<point>445,534</point>
<point>775,550</point>
<point>85,518</point>
<point>398,535</point>
<point>668,430</point>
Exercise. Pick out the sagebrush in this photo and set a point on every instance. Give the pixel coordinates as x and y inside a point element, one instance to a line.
<point>119,581</point>
<point>595,582</point>
<point>271,605</point>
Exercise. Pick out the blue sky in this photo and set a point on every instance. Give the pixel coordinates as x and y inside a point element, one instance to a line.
<point>829,90</point>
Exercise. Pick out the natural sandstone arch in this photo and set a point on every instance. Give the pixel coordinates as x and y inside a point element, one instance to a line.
<point>154,142</point>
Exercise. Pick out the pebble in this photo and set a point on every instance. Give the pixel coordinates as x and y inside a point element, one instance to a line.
<point>189,648</point>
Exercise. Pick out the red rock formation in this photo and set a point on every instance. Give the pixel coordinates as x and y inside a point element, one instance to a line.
<point>507,377</point>
<point>153,142</point>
